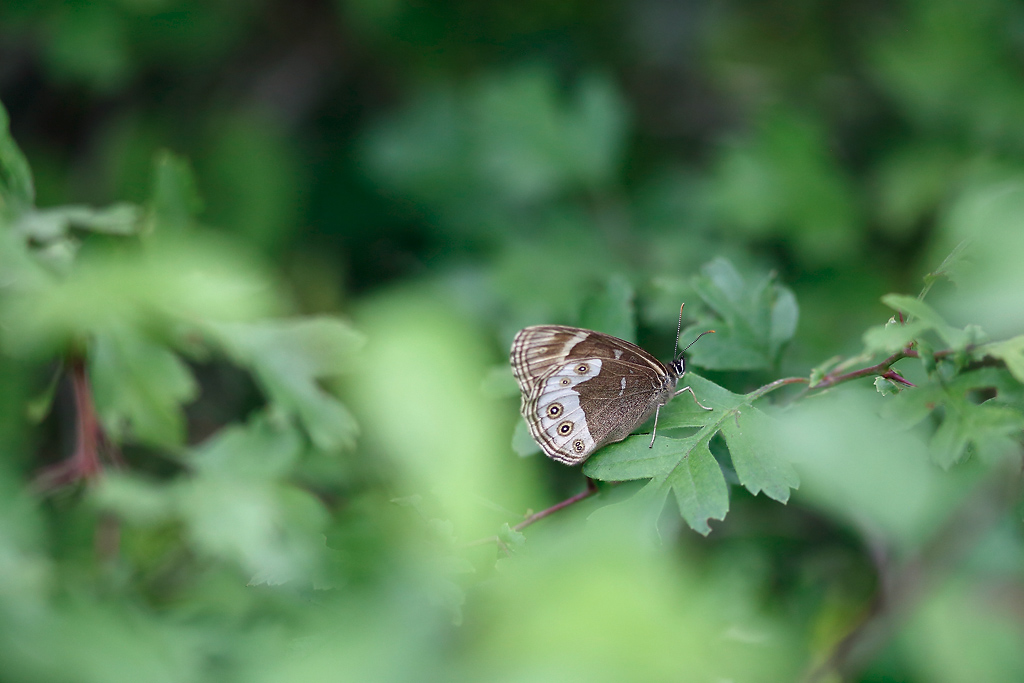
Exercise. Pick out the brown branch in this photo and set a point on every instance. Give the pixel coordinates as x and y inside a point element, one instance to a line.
<point>830,380</point>
<point>537,516</point>
<point>84,461</point>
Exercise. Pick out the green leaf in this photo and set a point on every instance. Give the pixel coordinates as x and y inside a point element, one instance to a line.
<point>686,467</point>
<point>929,317</point>
<point>48,225</point>
<point>273,532</point>
<point>522,442</point>
<point>699,488</point>
<point>1010,352</point>
<point>289,357</point>
<point>758,464</point>
<point>893,336</point>
<point>986,429</point>
<point>168,283</point>
<point>261,449</point>
<point>752,322</point>
<point>17,193</point>
<point>139,388</point>
<point>612,311</point>
<point>174,200</point>
<point>134,499</point>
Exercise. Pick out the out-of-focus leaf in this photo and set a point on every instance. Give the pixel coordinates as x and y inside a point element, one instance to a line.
<point>668,623</point>
<point>165,283</point>
<point>508,140</point>
<point>139,388</point>
<point>47,225</point>
<point>522,442</point>
<point>751,323</point>
<point>136,500</point>
<point>17,193</point>
<point>911,184</point>
<point>987,428</point>
<point>784,181</point>
<point>963,632</point>
<point>253,166</point>
<point>866,470</point>
<point>612,310</point>
<point>90,45</point>
<point>262,449</point>
<point>271,531</point>
<point>174,200</point>
<point>289,357</point>
<point>1010,352</point>
<point>989,215</point>
<point>686,466</point>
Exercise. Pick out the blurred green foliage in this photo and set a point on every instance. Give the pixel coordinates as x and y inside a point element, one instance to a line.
<point>256,417</point>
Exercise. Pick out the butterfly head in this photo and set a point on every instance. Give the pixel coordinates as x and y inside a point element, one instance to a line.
<point>678,366</point>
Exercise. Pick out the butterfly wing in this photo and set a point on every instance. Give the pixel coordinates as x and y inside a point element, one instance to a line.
<point>562,369</point>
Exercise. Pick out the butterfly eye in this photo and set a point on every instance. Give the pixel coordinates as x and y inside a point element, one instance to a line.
<point>582,369</point>
<point>578,446</point>
<point>565,427</point>
<point>554,410</point>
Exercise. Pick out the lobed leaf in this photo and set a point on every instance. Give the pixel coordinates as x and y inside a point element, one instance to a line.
<point>288,358</point>
<point>752,323</point>
<point>686,467</point>
<point>139,387</point>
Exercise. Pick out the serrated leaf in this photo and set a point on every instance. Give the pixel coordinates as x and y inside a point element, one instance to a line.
<point>1010,352</point>
<point>700,489</point>
<point>752,322</point>
<point>890,338</point>
<point>612,311</point>
<point>289,357</point>
<point>139,388</point>
<point>752,448</point>
<point>928,316</point>
<point>510,537</point>
<point>686,467</point>
<point>950,266</point>
<point>17,193</point>
<point>261,449</point>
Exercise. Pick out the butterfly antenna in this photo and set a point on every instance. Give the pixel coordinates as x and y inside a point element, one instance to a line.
<point>679,328</point>
<point>698,337</point>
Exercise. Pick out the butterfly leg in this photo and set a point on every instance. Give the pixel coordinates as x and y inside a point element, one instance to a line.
<point>657,411</point>
<point>694,397</point>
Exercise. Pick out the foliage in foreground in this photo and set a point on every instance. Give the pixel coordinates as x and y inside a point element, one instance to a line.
<point>177,540</point>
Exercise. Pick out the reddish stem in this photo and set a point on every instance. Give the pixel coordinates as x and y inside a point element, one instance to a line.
<point>84,462</point>
<point>537,516</point>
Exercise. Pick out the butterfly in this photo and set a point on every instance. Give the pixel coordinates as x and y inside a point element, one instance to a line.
<point>583,389</point>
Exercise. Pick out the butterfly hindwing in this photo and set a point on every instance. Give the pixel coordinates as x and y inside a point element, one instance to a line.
<point>582,389</point>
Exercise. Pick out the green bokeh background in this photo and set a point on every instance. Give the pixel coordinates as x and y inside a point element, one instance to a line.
<point>442,174</point>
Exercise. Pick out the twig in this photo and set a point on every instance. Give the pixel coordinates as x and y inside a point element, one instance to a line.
<point>84,461</point>
<point>537,516</point>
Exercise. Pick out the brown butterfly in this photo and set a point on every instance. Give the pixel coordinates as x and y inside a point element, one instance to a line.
<point>583,389</point>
